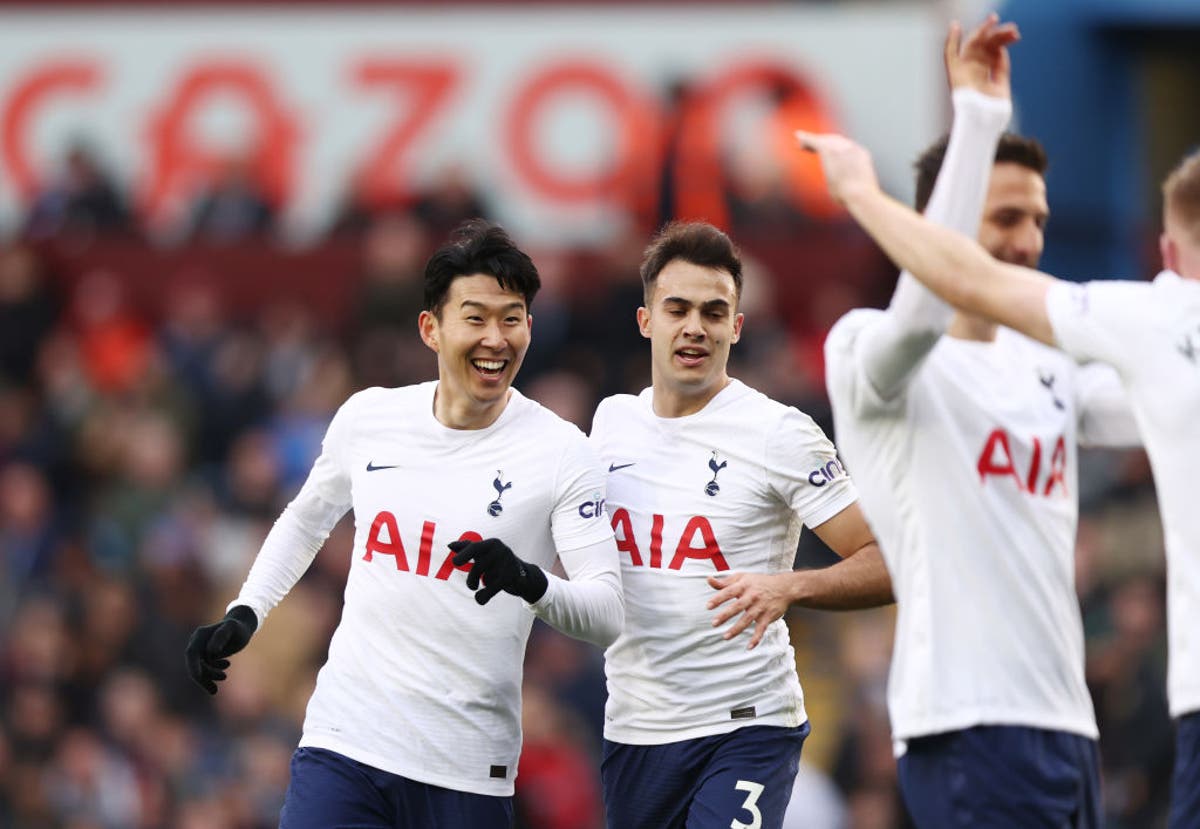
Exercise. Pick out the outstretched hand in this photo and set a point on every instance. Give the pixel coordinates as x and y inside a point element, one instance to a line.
<point>760,599</point>
<point>981,61</point>
<point>848,167</point>
<point>498,568</point>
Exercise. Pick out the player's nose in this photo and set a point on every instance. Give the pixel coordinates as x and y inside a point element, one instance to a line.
<point>1027,242</point>
<point>493,335</point>
<point>692,326</point>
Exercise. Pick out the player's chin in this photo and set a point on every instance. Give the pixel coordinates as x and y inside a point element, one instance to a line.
<point>1020,260</point>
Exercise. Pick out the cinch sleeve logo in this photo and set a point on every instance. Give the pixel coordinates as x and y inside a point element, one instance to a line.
<point>827,474</point>
<point>593,508</point>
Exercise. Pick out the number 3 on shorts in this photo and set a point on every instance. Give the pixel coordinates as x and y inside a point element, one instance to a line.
<point>755,792</point>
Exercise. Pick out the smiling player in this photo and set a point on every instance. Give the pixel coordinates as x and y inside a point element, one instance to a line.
<point>415,720</point>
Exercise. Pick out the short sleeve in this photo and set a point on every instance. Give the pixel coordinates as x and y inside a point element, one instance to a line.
<point>578,518</point>
<point>845,379</point>
<point>1099,320</point>
<point>804,469</point>
<point>599,431</point>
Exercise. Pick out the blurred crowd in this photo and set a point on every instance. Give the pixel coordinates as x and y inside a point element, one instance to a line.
<point>146,447</point>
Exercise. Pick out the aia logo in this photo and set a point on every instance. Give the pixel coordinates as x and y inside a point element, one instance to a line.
<point>695,541</point>
<point>997,460</point>
<point>383,539</point>
<point>495,507</point>
<point>712,487</point>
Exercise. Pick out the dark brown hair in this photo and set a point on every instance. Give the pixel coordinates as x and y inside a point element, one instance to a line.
<point>696,242</point>
<point>1013,148</point>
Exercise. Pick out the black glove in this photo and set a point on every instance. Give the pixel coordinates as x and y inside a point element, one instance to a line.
<point>209,645</point>
<point>499,569</point>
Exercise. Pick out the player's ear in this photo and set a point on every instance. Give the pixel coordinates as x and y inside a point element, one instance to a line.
<point>643,321</point>
<point>427,324</point>
<point>1169,251</point>
<point>738,319</point>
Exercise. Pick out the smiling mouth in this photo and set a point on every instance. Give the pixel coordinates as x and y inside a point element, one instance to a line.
<point>490,368</point>
<point>691,356</point>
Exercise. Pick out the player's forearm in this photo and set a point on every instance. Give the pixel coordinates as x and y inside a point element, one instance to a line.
<point>948,263</point>
<point>590,605</point>
<point>593,610</point>
<point>954,267</point>
<point>893,349</point>
<point>858,581</point>
<point>958,196</point>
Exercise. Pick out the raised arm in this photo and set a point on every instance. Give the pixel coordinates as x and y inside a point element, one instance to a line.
<point>893,347</point>
<point>950,264</point>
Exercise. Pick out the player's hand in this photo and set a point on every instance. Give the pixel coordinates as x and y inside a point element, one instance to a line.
<point>848,167</point>
<point>209,646</point>
<point>498,568</point>
<point>981,62</point>
<point>760,598</point>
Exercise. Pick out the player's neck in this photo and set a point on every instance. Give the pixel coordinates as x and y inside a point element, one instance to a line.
<point>970,327</point>
<point>460,412</point>
<point>675,402</point>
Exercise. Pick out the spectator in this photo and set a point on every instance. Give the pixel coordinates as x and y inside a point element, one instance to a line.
<point>232,207</point>
<point>28,311</point>
<point>82,202</point>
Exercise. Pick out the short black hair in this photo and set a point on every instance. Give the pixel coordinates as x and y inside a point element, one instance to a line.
<point>1017,149</point>
<point>479,247</point>
<point>696,242</point>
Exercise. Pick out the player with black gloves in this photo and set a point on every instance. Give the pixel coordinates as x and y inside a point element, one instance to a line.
<point>416,716</point>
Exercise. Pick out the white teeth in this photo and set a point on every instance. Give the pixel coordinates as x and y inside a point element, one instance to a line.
<point>488,365</point>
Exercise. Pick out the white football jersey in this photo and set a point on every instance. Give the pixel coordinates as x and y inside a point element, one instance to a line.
<point>1150,332</point>
<point>720,491</point>
<point>421,681</point>
<point>968,478</point>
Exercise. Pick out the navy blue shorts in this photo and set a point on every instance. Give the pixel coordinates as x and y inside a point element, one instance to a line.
<point>329,789</point>
<point>1002,776</point>
<point>1185,785</point>
<point>741,779</point>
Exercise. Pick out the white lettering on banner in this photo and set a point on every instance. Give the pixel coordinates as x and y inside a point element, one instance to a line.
<point>554,111</point>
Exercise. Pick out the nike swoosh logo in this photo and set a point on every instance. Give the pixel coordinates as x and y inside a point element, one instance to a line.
<point>371,467</point>
<point>613,467</point>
